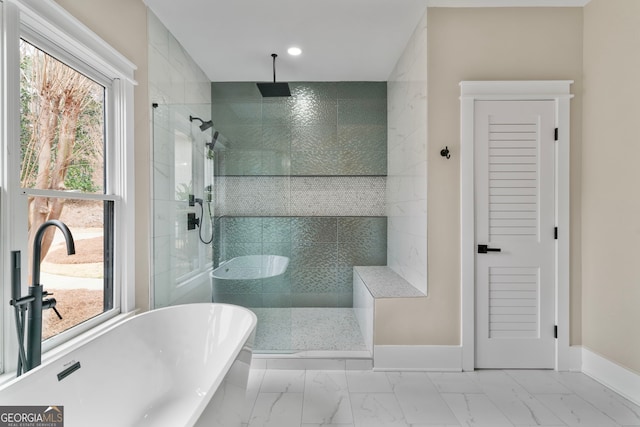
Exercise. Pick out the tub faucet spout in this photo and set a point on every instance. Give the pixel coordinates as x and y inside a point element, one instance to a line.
<point>37,304</point>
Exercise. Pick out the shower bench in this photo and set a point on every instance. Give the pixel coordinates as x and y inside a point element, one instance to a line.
<point>371,287</point>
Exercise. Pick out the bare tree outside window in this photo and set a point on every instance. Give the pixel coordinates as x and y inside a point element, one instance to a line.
<point>62,143</point>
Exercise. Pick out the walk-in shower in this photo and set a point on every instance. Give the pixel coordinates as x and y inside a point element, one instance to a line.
<point>296,190</point>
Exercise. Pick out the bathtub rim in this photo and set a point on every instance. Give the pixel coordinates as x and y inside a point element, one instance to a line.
<point>67,347</point>
<point>92,335</point>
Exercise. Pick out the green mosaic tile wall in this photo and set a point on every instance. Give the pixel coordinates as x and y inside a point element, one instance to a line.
<point>324,128</point>
<point>322,253</point>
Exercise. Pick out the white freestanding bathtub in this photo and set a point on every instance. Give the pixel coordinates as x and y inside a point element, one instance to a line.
<point>178,366</point>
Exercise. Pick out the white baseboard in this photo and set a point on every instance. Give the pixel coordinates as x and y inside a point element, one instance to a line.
<point>417,358</point>
<point>575,358</point>
<point>612,375</point>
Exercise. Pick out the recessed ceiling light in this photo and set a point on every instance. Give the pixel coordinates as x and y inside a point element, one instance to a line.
<point>295,51</point>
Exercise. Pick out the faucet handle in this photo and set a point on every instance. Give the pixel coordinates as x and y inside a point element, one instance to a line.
<point>51,303</point>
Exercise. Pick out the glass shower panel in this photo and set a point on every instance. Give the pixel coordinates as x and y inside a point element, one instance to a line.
<point>183,202</point>
<point>295,181</point>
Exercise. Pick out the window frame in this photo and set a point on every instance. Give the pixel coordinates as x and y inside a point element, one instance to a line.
<point>52,29</point>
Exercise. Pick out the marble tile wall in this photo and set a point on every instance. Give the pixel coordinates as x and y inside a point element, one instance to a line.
<point>406,192</point>
<point>179,88</point>
<point>322,253</point>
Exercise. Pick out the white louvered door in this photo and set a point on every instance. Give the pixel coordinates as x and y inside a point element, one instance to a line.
<point>515,212</point>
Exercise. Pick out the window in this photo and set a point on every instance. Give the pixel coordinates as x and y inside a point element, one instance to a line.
<point>68,155</point>
<point>62,145</point>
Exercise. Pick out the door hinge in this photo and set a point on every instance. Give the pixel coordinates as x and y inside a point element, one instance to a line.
<point>556,134</point>
<point>555,331</point>
<point>555,233</point>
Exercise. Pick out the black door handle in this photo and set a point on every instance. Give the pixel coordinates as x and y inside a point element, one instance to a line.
<point>483,249</point>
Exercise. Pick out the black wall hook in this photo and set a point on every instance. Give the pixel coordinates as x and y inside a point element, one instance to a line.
<point>445,152</point>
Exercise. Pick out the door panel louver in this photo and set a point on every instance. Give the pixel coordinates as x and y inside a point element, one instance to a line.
<point>513,302</point>
<point>513,182</point>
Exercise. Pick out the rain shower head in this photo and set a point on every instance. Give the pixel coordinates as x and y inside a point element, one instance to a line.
<point>205,125</point>
<point>269,90</point>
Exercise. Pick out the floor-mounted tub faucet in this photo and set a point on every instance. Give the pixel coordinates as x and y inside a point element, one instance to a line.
<point>36,292</point>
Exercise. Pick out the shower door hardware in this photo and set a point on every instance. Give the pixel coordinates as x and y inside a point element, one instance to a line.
<point>483,249</point>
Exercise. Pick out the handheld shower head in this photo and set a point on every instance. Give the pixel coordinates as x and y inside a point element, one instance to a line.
<point>211,144</point>
<point>205,125</point>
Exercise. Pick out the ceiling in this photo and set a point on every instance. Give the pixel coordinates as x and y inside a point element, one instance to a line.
<point>341,40</point>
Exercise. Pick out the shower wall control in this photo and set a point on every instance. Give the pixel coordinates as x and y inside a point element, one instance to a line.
<point>192,221</point>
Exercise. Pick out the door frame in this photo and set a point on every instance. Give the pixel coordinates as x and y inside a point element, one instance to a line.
<point>552,90</point>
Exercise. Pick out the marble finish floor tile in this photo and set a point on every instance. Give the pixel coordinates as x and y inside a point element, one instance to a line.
<point>327,425</point>
<point>368,382</point>
<point>520,407</point>
<point>613,405</point>
<point>455,382</point>
<point>326,398</point>
<point>411,382</point>
<point>476,410</point>
<point>538,382</point>
<point>339,398</point>
<point>277,410</point>
<point>377,410</point>
<point>253,388</point>
<point>575,411</point>
<point>283,381</point>
<point>425,408</point>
